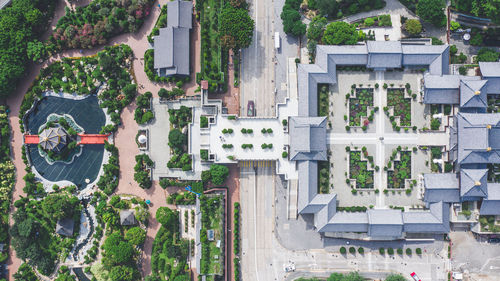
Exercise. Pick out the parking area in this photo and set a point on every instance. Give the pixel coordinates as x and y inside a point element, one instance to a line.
<point>476,256</point>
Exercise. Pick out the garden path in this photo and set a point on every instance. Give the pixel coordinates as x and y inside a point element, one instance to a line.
<point>126,132</point>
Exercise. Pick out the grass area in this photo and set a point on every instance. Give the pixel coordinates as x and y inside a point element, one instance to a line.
<point>358,107</point>
<point>402,169</point>
<point>324,177</point>
<point>212,219</point>
<point>323,102</point>
<point>358,170</point>
<point>402,106</point>
<point>214,59</point>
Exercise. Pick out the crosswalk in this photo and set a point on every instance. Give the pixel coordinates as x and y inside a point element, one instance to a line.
<point>255,163</point>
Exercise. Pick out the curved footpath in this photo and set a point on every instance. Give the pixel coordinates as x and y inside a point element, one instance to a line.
<point>124,137</point>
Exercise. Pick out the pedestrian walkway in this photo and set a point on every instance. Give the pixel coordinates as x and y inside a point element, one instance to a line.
<point>93,138</point>
<point>31,139</point>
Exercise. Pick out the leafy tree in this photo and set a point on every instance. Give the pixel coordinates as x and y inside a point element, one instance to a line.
<point>316,28</point>
<point>117,251</point>
<point>328,8</point>
<point>219,174</point>
<point>123,273</point>
<point>57,206</point>
<point>340,33</point>
<point>176,139</point>
<point>395,277</point>
<point>292,21</point>
<point>166,216</point>
<point>236,23</point>
<point>432,11</point>
<point>487,54</point>
<point>36,50</point>
<point>25,273</point>
<point>336,277</point>
<point>135,235</point>
<point>454,25</point>
<point>413,26</point>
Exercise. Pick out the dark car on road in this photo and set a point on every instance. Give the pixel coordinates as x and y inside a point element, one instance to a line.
<point>250,109</point>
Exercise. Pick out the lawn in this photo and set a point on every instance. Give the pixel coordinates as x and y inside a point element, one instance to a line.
<point>402,106</point>
<point>213,58</point>
<point>358,170</point>
<point>402,169</point>
<point>212,260</point>
<point>358,107</point>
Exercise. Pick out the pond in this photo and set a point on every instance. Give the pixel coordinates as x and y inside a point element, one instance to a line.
<point>88,115</point>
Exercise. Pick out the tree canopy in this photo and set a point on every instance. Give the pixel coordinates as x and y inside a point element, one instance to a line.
<point>340,33</point>
<point>219,174</point>
<point>238,25</point>
<point>316,28</point>
<point>432,11</point>
<point>166,216</point>
<point>487,54</point>
<point>413,26</point>
<point>176,139</point>
<point>395,277</point>
<point>136,236</point>
<point>291,18</point>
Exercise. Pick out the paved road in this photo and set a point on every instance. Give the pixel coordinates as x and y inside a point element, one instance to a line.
<point>257,65</point>
<point>477,257</point>
<point>264,257</point>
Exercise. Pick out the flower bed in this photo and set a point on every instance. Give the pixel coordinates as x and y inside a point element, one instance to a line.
<point>358,107</point>
<point>94,24</point>
<point>402,170</point>
<point>358,170</point>
<point>402,106</point>
<point>380,21</point>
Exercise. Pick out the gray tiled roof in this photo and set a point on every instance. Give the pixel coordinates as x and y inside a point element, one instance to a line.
<point>179,13</point>
<point>383,54</point>
<point>435,220</point>
<point>491,205</point>
<point>127,217</point>
<point>472,94</point>
<point>474,137</point>
<point>441,187</point>
<point>171,51</point>
<point>307,138</point>
<point>384,47</point>
<point>385,223</point>
<point>489,69</point>
<point>347,222</point>
<point>473,182</point>
<point>308,185</point>
<point>65,227</point>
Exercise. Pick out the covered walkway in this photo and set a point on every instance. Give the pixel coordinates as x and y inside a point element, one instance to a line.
<point>31,139</point>
<point>93,138</point>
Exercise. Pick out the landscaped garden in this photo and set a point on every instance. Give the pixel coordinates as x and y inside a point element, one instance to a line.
<point>401,107</point>
<point>214,58</point>
<point>7,178</point>
<point>212,220</point>
<point>108,181</point>
<point>94,24</point>
<point>177,138</point>
<point>401,171</point>
<point>161,22</point>
<point>359,106</point>
<point>106,74</point>
<point>142,171</point>
<point>358,169</point>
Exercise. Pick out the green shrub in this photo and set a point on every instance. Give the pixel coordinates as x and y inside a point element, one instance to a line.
<point>203,122</point>
<point>343,250</point>
<point>390,251</point>
<point>361,250</point>
<point>418,251</point>
<point>400,251</point>
<point>381,251</point>
<point>408,251</point>
<point>352,250</point>
<point>284,154</point>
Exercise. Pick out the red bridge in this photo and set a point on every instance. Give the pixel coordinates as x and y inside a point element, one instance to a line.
<point>84,139</point>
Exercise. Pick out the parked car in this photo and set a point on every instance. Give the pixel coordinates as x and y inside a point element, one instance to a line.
<point>250,108</point>
<point>494,240</point>
<point>415,276</point>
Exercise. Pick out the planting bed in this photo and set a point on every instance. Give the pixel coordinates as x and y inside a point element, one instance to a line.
<point>358,170</point>
<point>358,107</point>
<point>402,106</point>
<point>323,176</point>
<point>402,170</point>
<point>323,100</point>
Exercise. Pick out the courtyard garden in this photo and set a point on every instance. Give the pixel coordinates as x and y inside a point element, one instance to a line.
<point>401,107</point>
<point>323,100</point>
<point>359,106</point>
<point>170,252</point>
<point>398,168</point>
<point>106,74</point>
<point>177,138</point>
<point>358,168</point>
<point>324,176</point>
<point>212,231</point>
<point>142,170</point>
<point>214,58</point>
<point>143,113</point>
